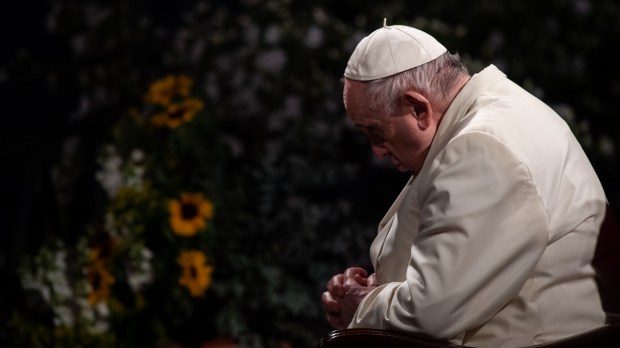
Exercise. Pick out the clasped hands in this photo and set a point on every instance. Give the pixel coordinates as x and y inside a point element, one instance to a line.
<point>344,293</point>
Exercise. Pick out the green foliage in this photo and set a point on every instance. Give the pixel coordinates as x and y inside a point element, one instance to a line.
<point>32,333</point>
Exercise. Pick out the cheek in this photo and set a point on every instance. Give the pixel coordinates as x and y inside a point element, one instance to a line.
<point>405,143</point>
<point>410,151</point>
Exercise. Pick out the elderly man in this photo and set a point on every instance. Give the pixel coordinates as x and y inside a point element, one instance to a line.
<point>490,242</point>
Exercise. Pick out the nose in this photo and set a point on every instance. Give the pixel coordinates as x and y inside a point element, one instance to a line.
<point>380,152</point>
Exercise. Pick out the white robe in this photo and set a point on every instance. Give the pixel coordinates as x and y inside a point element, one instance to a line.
<point>491,244</point>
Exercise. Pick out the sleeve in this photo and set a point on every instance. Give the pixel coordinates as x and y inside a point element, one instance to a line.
<point>483,228</point>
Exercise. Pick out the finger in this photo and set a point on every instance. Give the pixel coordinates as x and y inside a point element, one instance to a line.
<point>335,281</point>
<point>330,305</point>
<point>361,280</point>
<point>354,282</point>
<point>351,272</point>
<point>335,285</point>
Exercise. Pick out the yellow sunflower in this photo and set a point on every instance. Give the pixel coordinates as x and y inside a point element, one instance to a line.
<point>178,113</point>
<point>100,281</point>
<point>189,213</point>
<point>163,91</point>
<point>196,274</point>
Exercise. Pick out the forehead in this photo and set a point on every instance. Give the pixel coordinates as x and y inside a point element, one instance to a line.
<point>357,105</point>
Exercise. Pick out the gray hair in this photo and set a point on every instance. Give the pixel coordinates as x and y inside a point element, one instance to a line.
<point>433,80</point>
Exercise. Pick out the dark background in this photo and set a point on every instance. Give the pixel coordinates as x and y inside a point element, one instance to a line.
<point>562,51</point>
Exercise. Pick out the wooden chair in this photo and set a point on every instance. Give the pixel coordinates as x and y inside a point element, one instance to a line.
<point>607,264</point>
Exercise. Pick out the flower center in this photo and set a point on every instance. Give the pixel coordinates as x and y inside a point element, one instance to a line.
<point>188,211</point>
<point>176,114</point>
<point>96,281</point>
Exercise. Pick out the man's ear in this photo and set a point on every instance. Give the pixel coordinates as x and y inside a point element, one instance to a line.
<point>420,108</point>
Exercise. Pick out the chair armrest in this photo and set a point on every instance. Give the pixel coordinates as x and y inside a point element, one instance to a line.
<point>605,336</point>
<point>357,338</point>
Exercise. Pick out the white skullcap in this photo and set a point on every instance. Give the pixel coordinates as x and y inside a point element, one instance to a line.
<point>391,50</point>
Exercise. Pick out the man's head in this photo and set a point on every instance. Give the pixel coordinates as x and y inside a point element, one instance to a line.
<point>398,83</point>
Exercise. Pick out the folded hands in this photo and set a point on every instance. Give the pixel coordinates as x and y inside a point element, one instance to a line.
<point>344,293</point>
